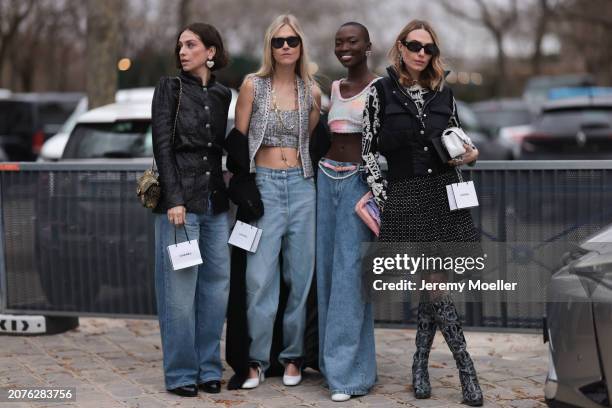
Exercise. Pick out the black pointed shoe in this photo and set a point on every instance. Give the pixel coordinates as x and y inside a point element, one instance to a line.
<point>211,387</point>
<point>190,390</point>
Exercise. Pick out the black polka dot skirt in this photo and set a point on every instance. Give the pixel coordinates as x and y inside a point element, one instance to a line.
<point>417,210</point>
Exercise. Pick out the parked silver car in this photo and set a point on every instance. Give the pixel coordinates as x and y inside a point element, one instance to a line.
<point>572,128</point>
<point>578,326</point>
<point>537,89</point>
<point>499,113</point>
<point>27,120</point>
<point>489,147</point>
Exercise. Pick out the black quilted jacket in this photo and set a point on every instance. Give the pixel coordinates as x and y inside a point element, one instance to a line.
<point>190,167</point>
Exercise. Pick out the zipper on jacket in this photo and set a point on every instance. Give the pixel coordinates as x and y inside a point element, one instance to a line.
<point>424,106</point>
<point>403,91</point>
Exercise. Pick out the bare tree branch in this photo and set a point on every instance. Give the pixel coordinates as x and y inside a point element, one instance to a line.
<point>599,19</point>
<point>184,13</point>
<point>10,24</point>
<point>498,22</point>
<point>545,14</point>
<point>452,9</point>
<point>102,51</point>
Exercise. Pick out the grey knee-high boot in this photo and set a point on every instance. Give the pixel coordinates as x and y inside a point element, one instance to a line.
<point>426,330</point>
<point>448,321</point>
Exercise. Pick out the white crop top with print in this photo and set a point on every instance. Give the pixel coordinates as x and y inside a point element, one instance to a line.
<point>346,114</point>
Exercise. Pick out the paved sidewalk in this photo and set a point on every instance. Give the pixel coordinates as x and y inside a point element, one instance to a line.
<point>117,363</point>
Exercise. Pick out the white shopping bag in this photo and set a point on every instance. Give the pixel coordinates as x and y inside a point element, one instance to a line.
<point>184,254</point>
<point>461,195</point>
<point>245,236</point>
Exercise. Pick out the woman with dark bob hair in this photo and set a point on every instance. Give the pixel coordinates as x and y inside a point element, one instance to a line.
<point>405,115</point>
<point>189,116</point>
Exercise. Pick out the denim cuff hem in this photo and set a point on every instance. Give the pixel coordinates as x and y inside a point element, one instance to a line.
<point>285,360</point>
<point>263,365</point>
<point>209,379</point>
<point>182,384</point>
<point>350,391</point>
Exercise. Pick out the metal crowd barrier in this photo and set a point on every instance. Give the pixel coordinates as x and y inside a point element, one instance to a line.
<point>75,240</point>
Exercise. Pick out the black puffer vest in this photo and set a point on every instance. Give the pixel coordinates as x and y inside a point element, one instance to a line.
<point>410,142</point>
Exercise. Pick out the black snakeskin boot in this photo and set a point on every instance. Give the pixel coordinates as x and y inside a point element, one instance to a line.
<point>426,330</point>
<point>448,321</point>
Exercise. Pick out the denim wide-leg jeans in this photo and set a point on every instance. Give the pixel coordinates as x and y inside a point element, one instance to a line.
<point>288,223</point>
<point>192,302</point>
<point>347,356</point>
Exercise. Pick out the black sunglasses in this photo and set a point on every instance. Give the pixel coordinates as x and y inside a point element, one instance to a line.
<point>415,46</point>
<point>278,42</point>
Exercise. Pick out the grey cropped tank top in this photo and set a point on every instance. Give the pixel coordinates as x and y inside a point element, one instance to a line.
<point>283,132</point>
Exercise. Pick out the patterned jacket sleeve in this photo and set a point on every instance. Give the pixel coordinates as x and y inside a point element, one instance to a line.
<point>369,146</point>
<point>454,121</point>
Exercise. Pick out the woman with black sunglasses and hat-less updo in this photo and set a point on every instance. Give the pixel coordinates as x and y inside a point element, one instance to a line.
<point>406,113</point>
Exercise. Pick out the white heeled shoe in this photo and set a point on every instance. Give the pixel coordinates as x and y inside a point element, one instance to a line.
<point>254,382</point>
<point>291,380</point>
<point>339,397</point>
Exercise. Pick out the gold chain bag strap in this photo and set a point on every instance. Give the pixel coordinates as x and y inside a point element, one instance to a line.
<point>148,189</point>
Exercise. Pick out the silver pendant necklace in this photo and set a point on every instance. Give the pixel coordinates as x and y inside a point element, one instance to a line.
<point>284,125</point>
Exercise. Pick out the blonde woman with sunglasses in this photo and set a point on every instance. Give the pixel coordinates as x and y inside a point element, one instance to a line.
<point>278,107</point>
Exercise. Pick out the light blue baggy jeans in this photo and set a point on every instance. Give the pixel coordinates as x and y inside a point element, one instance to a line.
<point>288,224</point>
<point>192,302</point>
<point>347,356</point>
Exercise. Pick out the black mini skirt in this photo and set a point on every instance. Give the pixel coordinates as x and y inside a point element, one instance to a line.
<point>417,210</point>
